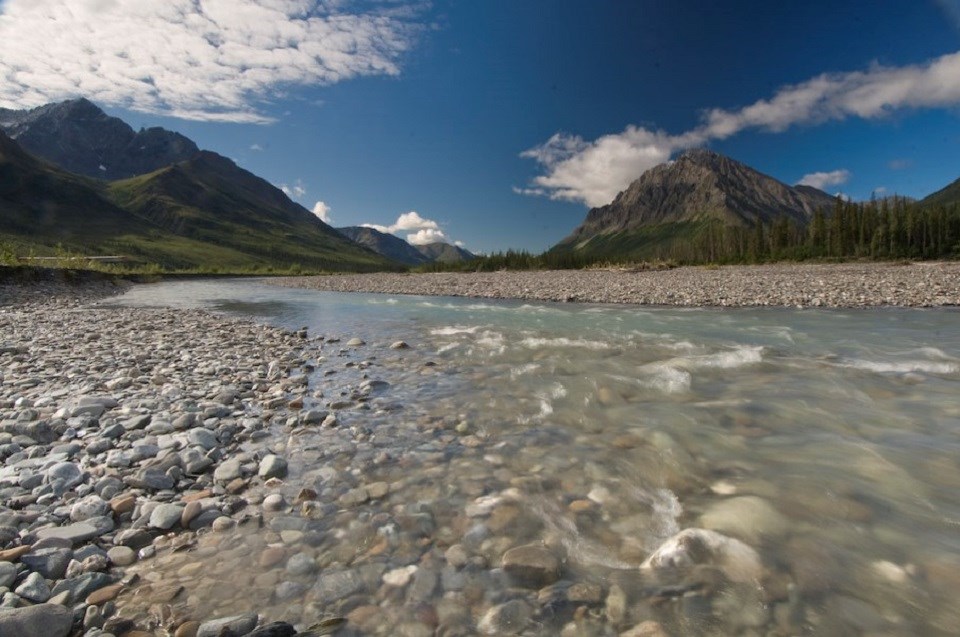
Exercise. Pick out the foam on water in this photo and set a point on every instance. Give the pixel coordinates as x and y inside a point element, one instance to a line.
<point>902,367</point>
<point>537,343</point>
<point>453,330</point>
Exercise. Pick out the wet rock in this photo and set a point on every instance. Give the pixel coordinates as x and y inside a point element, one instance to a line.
<point>335,585</point>
<point>691,547</point>
<point>506,619</point>
<point>615,607</point>
<point>122,555</point>
<point>272,466</point>
<point>648,628</point>
<point>274,629</point>
<point>531,566</point>
<point>399,577</point>
<point>34,588</point>
<point>46,620</point>
<point>749,518</point>
<point>239,625</point>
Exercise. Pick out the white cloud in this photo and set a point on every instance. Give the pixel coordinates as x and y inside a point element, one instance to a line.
<point>823,179</point>
<point>322,211</point>
<point>215,60</point>
<point>294,191</point>
<point>256,147</point>
<point>427,230</point>
<point>425,236</point>
<point>593,172</point>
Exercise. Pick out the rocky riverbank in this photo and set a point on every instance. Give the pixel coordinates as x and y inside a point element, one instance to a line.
<point>790,285</point>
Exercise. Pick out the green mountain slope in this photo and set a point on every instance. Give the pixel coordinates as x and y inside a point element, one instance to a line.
<point>946,196</point>
<point>209,200</point>
<point>41,205</point>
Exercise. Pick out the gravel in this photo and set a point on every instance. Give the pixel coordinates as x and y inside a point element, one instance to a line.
<point>928,284</point>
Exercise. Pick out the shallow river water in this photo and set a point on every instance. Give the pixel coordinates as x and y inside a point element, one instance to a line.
<point>826,441</point>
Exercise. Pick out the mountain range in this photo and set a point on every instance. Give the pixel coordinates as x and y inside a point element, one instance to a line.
<point>73,176</point>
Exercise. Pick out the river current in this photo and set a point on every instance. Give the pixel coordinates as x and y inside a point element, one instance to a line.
<point>826,440</point>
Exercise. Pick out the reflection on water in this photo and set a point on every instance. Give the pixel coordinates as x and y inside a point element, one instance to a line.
<point>824,441</point>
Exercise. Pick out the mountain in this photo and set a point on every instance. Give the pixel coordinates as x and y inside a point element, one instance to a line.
<point>80,138</point>
<point>38,200</point>
<point>699,188</point>
<point>210,200</point>
<point>444,252</point>
<point>385,244</point>
<point>946,196</point>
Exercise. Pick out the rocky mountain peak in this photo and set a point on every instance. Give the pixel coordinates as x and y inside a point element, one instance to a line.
<point>80,137</point>
<point>700,185</point>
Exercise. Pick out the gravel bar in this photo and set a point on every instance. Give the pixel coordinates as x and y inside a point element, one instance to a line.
<point>929,284</point>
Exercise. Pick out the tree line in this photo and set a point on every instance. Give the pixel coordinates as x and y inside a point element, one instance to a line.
<point>888,229</point>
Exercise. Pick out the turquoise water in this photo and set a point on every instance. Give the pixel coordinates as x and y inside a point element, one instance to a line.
<point>826,440</point>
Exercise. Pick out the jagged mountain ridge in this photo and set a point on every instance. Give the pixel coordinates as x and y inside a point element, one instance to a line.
<point>385,244</point>
<point>79,137</point>
<point>699,186</point>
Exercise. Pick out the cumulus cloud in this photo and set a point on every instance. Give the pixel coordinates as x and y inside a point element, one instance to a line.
<point>427,230</point>
<point>593,172</point>
<point>425,236</point>
<point>256,147</point>
<point>214,60</point>
<point>322,211</point>
<point>823,179</point>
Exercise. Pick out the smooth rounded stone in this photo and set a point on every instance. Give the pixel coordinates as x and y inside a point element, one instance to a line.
<point>532,566</point>
<point>273,502</point>
<point>290,536</point>
<point>274,629</point>
<point>223,523</point>
<point>50,563</point>
<point>506,619</point>
<point>239,625</point>
<point>123,504</point>
<point>8,573</point>
<point>104,595</point>
<point>190,513</point>
<point>288,590</point>
<point>456,555</point>
<point>355,342</point>
<point>92,618</point>
<point>41,620</point>
<point>205,519</point>
<point>202,437</point>
<point>615,606</point>
<point>122,555</point>
<point>377,490</point>
<point>399,345</point>
<point>400,577</point>
<point>66,471</point>
<point>332,586</point>
<point>272,466</point>
<point>749,518</point>
<point>151,478</point>
<point>301,564</point>
<point>648,628</point>
<point>134,538</point>
<point>228,471</point>
<point>89,507</point>
<point>313,416</point>
<point>34,588</point>
<point>187,629</point>
<point>354,497</point>
<point>689,547</point>
<point>166,516</point>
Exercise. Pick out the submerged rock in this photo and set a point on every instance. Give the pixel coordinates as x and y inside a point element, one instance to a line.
<point>690,547</point>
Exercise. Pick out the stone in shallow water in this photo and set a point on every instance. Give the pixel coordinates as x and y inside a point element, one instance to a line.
<point>122,555</point>
<point>239,624</point>
<point>690,547</point>
<point>505,619</point>
<point>532,566</point>
<point>335,585</point>
<point>272,466</point>
<point>274,629</point>
<point>749,518</point>
<point>46,620</point>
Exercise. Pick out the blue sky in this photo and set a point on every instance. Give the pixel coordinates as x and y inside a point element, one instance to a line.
<point>499,121</point>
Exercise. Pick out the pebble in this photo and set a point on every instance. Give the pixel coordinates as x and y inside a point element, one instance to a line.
<point>48,620</point>
<point>531,566</point>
